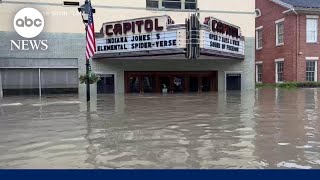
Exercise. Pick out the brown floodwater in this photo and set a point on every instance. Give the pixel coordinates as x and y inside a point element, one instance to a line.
<point>266,128</point>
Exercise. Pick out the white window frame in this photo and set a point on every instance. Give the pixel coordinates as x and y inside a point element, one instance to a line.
<point>276,69</point>
<point>183,2</point>
<point>315,59</point>
<point>312,17</point>
<point>257,37</point>
<point>257,75</point>
<point>277,34</point>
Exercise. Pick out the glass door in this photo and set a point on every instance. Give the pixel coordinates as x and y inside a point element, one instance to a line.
<point>206,84</point>
<point>106,84</point>
<point>148,84</point>
<point>164,84</point>
<point>178,84</point>
<point>134,84</point>
<point>193,84</point>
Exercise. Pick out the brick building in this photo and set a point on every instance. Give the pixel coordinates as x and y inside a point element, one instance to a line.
<point>287,40</point>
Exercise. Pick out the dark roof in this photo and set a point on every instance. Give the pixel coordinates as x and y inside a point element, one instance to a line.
<point>303,3</point>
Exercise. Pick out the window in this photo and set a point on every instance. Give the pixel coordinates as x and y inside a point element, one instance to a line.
<point>152,3</point>
<point>259,73</point>
<point>69,3</point>
<point>279,71</point>
<point>172,4</point>
<point>258,13</point>
<point>280,32</point>
<point>312,30</point>
<point>259,37</point>
<point>190,4</point>
<point>311,71</point>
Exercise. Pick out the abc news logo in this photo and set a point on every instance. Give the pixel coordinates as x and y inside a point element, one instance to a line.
<point>28,23</point>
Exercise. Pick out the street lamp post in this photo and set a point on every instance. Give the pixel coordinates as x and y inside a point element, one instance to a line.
<point>84,9</point>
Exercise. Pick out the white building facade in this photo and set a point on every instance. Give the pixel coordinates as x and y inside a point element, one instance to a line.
<point>154,60</point>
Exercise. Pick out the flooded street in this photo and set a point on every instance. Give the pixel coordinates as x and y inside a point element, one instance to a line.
<point>266,128</point>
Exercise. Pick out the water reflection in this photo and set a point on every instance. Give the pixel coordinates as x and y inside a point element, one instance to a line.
<point>265,128</point>
<point>282,137</point>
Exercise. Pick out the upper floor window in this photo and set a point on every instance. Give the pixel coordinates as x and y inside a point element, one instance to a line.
<point>152,3</point>
<point>312,29</point>
<point>259,38</point>
<point>190,4</point>
<point>280,32</point>
<point>172,4</point>
<point>258,13</point>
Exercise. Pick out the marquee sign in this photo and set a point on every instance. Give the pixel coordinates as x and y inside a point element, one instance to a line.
<point>158,35</point>
<point>137,35</point>
<point>222,37</point>
<point>149,41</point>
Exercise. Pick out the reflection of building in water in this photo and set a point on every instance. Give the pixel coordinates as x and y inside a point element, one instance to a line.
<point>172,131</point>
<point>285,126</point>
<point>312,126</point>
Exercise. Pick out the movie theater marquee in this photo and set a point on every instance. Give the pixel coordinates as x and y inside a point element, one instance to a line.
<point>223,37</point>
<point>138,35</point>
<point>158,35</point>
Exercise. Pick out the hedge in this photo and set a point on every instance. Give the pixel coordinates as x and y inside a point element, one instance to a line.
<point>291,85</point>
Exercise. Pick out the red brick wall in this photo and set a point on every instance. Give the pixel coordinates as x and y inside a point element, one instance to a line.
<point>271,12</point>
<point>294,64</point>
<point>306,49</point>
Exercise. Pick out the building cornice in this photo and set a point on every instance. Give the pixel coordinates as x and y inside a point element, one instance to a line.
<point>313,11</point>
<point>283,4</point>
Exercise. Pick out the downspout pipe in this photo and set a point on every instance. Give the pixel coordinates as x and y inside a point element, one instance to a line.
<point>297,42</point>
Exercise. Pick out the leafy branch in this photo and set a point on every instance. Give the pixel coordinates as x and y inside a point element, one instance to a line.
<point>93,78</point>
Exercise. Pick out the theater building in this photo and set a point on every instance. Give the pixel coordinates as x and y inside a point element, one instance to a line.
<point>148,55</point>
<point>141,47</point>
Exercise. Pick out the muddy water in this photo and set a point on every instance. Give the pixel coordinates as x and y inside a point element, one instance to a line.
<point>266,128</point>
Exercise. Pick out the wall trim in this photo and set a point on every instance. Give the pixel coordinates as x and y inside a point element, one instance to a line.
<point>312,17</point>
<point>279,20</point>
<point>312,58</point>
<point>279,60</point>
<point>258,28</point>
<point>259,62</point>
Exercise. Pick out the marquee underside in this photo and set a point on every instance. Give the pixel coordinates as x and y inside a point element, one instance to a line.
<point>167,54</point>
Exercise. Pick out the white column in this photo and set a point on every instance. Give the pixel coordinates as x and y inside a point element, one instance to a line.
<point>183,4</point>
<point>1,92</point>
<point>39,82</point>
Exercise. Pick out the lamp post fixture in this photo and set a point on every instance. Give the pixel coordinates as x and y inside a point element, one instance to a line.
<point>84,9</point>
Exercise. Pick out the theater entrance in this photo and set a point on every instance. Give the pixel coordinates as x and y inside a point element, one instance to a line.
<point>170,82</point>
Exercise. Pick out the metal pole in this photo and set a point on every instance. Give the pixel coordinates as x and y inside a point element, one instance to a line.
<point>39,82</point>
<point>87,72</point>
<point>1,92</point>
